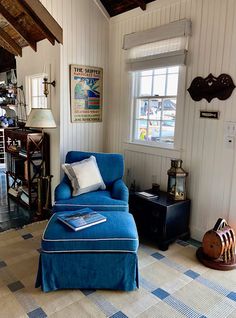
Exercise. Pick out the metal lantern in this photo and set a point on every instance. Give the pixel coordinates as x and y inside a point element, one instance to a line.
<point>176,180</point>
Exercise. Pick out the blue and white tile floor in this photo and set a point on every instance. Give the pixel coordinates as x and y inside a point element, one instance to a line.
<point>172,284</point>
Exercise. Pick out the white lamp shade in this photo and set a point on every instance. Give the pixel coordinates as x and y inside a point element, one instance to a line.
<point>40,118</point>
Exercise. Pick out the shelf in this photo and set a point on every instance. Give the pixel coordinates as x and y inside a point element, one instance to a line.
<point>18,200</point>
<point>27,156</point>
<point>12,152</point>
<point>16,176</point>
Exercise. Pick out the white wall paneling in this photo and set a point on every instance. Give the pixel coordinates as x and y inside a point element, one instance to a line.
<point>85,33</point>
<point>211,165</point>
<point>85,42</point>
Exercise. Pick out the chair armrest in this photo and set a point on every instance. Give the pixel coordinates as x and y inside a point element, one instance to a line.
<point>120,191</point>
<point>63,190</point>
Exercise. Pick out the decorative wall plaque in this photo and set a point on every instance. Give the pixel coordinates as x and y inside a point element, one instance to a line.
<point>209,114</point>
<point>211,87</point>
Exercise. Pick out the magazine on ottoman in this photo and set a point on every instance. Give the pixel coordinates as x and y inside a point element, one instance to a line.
<point>78,220</point>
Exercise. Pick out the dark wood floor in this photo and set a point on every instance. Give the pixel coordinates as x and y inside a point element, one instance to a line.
<point>12,215</point>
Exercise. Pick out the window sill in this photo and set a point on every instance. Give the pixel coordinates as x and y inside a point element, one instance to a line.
<point>158,150</point>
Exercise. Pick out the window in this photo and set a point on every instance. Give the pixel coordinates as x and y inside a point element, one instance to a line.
<point>155,105</point>
<point>156,58</point>
<point>36,97</point>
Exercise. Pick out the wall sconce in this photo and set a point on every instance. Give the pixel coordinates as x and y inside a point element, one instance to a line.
<point>45,86</point>
<point>12,86</point>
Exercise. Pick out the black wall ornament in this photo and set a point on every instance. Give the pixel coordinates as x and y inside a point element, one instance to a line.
<point>211,87</point>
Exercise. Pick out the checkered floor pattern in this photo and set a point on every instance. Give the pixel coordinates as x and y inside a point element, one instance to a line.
<point>172,284</point>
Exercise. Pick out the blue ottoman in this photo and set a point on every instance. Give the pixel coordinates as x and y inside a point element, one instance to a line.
<point>103,256</point>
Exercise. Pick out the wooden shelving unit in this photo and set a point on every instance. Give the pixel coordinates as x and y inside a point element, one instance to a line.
<point>27,160</point>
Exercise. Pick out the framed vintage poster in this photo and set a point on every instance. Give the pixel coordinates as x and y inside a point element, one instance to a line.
<point>86,93</point>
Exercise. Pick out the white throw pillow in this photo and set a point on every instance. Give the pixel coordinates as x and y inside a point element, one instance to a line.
<point>84,176</point>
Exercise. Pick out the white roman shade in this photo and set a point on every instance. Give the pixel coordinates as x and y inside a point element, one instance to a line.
<point>162,46</point>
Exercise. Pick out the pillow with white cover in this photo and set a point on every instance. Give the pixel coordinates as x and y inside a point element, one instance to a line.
<point>84,176</point>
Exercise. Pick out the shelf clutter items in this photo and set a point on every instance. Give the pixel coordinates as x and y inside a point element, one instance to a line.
<point>27,159</point>
<point>2,152</point>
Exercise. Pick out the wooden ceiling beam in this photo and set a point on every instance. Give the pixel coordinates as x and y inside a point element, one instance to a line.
<point>47,24</point>
<point>142,4</point>
<point>17,27</point>
<point>37,21</point>
<point>15,48</point>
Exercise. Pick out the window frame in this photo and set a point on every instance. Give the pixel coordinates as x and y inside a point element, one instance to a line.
<point>29,84</point>
<point>179,110</point>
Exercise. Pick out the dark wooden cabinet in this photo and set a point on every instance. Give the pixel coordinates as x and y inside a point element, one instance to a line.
<point>27,159</point>
<point>160,218</point>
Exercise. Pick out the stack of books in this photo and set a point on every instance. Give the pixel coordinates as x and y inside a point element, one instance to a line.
<point>78,220</point>
<point>33,155</point>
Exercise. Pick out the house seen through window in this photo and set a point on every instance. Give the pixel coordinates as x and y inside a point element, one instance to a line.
<point>155,105</point>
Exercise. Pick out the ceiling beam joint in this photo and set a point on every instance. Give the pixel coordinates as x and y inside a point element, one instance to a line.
<point>142,4</point>
<point>46,23</point>
<point>16,49</point>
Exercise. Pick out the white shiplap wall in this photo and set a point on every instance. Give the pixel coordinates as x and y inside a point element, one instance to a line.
<point>85,42</point>
<point>210,163</point>
<point>85,36</point>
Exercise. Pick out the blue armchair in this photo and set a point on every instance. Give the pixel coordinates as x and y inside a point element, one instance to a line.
<point>113,198</point>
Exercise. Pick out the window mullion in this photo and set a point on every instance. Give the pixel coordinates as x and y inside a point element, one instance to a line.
<point>166,81</point>
<point>152,83</point>
<point>161,119</point>
<point>148,114</point>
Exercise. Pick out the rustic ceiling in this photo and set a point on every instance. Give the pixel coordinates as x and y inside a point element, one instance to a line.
<point>115,7</point>
<point>25,22</point>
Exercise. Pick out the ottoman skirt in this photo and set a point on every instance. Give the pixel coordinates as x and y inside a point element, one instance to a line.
<point>118,271</point>
<point>88,259</point>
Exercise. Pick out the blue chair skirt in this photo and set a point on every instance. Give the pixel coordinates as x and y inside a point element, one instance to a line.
<point>116,271</point>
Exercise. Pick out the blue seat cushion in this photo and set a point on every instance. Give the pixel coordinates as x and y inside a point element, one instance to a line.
<point>96,200</point>
<point>117,234</point>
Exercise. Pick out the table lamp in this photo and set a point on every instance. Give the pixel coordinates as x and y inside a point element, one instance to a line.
<point>40,118</point>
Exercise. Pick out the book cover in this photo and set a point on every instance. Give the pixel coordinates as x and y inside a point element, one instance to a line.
<point>24,197</point>
<point>78,220</point>
<point>33,192</point>
<point>147,195</point>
